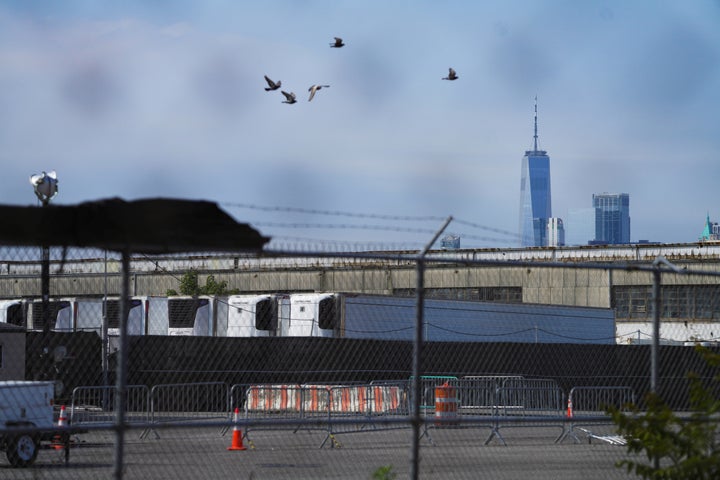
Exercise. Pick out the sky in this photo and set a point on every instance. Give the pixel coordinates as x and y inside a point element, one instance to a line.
<point>160,98</point>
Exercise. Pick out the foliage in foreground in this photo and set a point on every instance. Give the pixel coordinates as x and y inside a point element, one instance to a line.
<point>674,446</point>
<point>384,473</point>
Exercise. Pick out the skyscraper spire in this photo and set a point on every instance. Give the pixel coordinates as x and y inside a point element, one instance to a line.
<point>535,137</point>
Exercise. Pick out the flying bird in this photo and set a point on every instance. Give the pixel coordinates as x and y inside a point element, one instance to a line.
<point>452,75</point>
<point>272,85</point>
<point>289,97</point>
<point>314,89</point>
<point>338,43</point>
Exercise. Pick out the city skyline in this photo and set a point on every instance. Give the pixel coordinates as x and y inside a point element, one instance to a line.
<point>167,99</point>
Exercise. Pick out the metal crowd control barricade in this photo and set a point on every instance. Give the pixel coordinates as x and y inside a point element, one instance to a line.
<point>477,399</point>
<point>587,406</point>
<point>427,391</point>
<point>336,408</point>
<point>183,402</point>
<point>538,401</point>
<point>428,383</point>
<point>275,406</point>
<point>365,404</point>
<point>236,399</point>
<point>96,405</point>
<point>387,398</point>
<point>316,404</point>
<point>478,394</point>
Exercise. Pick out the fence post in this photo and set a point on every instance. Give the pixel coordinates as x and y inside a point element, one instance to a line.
<point>122,366</point>
<point>655,346</point>
<point>417,353</point>
<point>658,263</point>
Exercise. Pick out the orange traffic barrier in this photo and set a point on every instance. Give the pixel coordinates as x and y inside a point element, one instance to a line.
<point>446,405</point>
<point>237,436</point>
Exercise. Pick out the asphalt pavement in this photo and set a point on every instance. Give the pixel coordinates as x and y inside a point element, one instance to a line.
<point>199,453</point>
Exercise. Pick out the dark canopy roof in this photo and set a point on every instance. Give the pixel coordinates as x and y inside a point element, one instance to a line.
<point>151,226</point>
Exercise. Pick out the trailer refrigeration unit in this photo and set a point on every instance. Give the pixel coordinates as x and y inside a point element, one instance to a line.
<point>13,312</point>
<point>312,315</point>
<point>146,315</point>
<point>252,315</point>
<point>191,316</point>
<point>25,404</point>
<point>27,313</point>
<point>90,314</point>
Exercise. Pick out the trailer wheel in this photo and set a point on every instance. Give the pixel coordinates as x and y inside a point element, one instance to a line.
<point>22,451</point>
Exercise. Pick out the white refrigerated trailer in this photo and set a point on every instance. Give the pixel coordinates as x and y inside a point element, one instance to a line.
<point>346,315</point>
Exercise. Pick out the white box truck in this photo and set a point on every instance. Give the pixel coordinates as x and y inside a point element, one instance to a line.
<point>25,405</point>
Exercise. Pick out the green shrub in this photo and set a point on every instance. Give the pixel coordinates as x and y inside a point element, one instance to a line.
<point>674,446</point>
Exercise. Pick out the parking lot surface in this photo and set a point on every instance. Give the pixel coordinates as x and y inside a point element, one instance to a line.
<point>192,453</point>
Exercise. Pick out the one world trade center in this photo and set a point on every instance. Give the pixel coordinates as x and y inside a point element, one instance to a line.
<point>535,204</point>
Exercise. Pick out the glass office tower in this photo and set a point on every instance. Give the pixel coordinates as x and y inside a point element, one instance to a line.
<point>535,204</point>
<point>612,218</point>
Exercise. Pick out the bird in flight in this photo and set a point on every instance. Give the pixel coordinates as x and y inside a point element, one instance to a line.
<point>314,89</point>
<point>272,85</point>
<point>338,43</point>
<point>289,97</point>
<point>452,75</point>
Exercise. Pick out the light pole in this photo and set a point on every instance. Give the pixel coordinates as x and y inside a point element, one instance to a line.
<point>46,187</point>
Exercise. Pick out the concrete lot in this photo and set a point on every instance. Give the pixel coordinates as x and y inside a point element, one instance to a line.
<point>194,453</point>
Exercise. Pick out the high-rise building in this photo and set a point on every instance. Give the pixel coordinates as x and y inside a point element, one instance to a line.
<point>535,204</point>
<point>612,218</point>
<point>450,242</point>
<point>555,232</point>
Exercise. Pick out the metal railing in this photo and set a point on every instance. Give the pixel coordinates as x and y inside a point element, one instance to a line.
<point>591,403</point>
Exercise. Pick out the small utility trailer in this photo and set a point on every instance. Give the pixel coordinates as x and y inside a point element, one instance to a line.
<point>26,419</point>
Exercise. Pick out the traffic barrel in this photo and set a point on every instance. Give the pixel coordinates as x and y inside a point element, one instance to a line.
<point>446,405</point>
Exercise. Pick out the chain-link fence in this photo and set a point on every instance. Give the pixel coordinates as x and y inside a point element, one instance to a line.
<point>297,365</point>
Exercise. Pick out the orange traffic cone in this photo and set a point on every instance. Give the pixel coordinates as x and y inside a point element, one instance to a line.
<point>569,408</point>
<point>57,441</point>
<point>237,437</point>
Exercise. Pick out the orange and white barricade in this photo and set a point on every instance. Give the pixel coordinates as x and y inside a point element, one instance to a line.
<point>315,398</point>
<point>347,399</point>
<point>274,398</point>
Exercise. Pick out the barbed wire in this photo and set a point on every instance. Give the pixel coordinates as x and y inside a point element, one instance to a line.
<point>338,213</point>
<point>513,236</point>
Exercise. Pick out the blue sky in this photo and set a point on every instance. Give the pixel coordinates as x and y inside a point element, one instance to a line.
<point>166,99</point>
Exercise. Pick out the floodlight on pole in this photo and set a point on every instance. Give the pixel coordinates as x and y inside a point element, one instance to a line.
<point>45,185</point>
